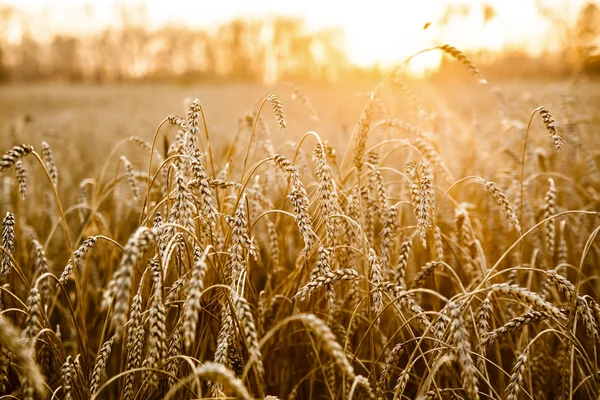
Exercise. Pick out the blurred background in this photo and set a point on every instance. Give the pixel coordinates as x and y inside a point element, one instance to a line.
<point>84,74</point>
<point>270,41</point>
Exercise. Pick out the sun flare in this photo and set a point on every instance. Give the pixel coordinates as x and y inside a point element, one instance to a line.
<point>384,34</point>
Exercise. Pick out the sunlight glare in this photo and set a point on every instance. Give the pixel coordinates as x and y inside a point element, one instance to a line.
<point>382,33</point>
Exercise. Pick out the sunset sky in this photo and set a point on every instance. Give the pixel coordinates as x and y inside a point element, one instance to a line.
<point>375,31</point>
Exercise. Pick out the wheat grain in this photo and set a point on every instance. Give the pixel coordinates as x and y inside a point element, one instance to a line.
<point>8,243</point>
<point>5,356</point>
<point>177,120</point>
<point>299,200</point>
<point>516,378</point>
<point>75,260</point>
<point>327,194</point>
<point>550,210</point>
<point>581,306</point>
<point>191,308</point>
<point>244,315</point>
<point>425,272</point>
<point>278,111</point>
<point>462,58</point>
<point>376,278</point>
<point>217,372</point>
<point>388,232</point>
<point>21,173</point>
<point>100,365</point>
<point>223,343</point>
<point>175,349</point>
<point>423,199</point>
<point>405,250</point>
<point>207,207</point>
<point>483,327</point>
<point>120,289</point>
<point>34,316</point>
<point>67,379</point>
<point>529,298</point>
<point>48,157</point>
<point>361,132</point>
<point>551,127</point>
<point>512,326</point>
<point>41,267</point>
<point>502,201</point>
<point>330,344</point>
<point>461,339</point>
<point>398,293</point>
<point>135,190</point>
<point>134,344</point>
<point>21,356</point>
<point>391,362</point>
<point>157,334</point>
<point>562,253</point>
<point>324,280</point>
<point>193,116</point>
<point>13,155</point>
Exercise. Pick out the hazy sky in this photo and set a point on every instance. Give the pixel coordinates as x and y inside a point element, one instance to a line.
<point>374,30</point>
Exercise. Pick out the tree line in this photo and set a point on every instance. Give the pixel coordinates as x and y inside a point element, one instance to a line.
<point>245,50</point>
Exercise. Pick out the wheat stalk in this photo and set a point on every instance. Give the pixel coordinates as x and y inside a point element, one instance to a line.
<point>329,342</point>
<point>67,379</point>
<point>516,378</point>
<point>191,308</point>
<point>326,279</point>
<point>21,356</point>
<point>244,315</point>
<point>460,335</point>
<point>13,155</point>
<point>361,132</point>
<point>100,365</point>
<point>463,59</point>
<point>157,333</point>
<point>134,344</point>
<point>391,362</point>
<point>75,260</point>
<point>512,326</point>
<point>119,288</point>
<point>551,127</point>
<point>48,157</point>
<point>376,278</point>
<point>135,190</point>
<point>299,200</point>
<point>21,173</point>
<point>502,201</point>
<point>529,298</point>
<point>8,243</point>
<point>278,111</point>
<point>549,210</point>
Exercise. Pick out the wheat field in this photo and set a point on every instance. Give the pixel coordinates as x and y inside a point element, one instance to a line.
<point>402,244</point>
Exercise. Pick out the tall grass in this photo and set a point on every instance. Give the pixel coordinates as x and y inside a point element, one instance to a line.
<point>388,268</point>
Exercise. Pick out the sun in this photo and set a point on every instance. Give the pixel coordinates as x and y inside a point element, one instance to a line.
<point>385,33</point>
<point>375,33</point>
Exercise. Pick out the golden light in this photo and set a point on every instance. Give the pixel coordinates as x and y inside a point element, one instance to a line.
<point>377,32</point>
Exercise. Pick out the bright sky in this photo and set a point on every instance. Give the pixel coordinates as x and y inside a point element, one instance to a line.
<point>375,31</point>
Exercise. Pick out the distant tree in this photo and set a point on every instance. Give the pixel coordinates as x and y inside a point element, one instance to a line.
<point>588,30</point>
<point>489,13</point>
<point>30,59</point>
<point>579,38</point>
<point>65,58</point>
<point>274,49</point>
<point>6,15</point>
<point>133,56</point>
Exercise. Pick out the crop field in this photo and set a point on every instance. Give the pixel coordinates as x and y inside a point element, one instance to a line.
<point>400,239</point>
